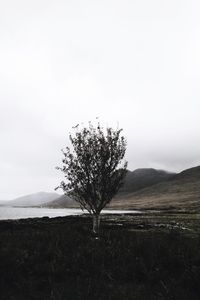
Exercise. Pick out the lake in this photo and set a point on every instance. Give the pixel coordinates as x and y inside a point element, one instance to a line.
<point>13,213</point>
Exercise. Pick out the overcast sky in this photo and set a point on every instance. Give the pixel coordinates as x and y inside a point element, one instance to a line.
<point>132,62</point>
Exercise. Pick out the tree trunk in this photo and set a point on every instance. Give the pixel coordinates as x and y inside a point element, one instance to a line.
<point>96,223</point>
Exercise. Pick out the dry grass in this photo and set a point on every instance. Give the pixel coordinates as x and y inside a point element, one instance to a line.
<point>177,195</point>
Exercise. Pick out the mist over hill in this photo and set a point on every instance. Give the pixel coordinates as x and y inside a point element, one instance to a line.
<point>36,199</point>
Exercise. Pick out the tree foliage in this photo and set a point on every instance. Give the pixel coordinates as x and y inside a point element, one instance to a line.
<point>94,169</point>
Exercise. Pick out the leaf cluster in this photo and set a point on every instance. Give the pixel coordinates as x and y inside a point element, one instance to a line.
<point>91,167</point>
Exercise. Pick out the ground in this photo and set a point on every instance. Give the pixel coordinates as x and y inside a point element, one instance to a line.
<point>155,255</point>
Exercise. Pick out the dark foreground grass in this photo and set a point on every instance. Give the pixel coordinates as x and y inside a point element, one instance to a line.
<point>145,257</point>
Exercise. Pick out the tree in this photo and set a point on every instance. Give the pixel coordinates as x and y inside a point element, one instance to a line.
<point>94,168</point>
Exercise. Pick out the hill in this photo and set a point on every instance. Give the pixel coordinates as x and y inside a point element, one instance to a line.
<point>181,191</point>
<point>36,199</point>
<point>142,189</point>
<point>62,202</point>
<point>141,178</point>
<point>188,174</point>
<point>134,181</point>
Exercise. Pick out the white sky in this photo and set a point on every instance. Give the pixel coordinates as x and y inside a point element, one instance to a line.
<point>136,63</point>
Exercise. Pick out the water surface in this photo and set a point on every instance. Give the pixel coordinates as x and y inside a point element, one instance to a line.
<point>14,213</point>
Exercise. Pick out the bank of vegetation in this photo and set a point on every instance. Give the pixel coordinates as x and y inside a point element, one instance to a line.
<point>150,256</point>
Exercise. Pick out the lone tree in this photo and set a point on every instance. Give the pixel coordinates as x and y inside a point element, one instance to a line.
<point>94,168</point>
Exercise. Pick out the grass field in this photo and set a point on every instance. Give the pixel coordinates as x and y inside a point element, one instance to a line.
<point>148,256</point>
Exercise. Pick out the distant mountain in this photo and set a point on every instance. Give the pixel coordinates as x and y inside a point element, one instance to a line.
<point>63,202</point>
<point>180,191</point>
<point>36,199</point>
<point>141,178</point>
<point>142,189</point>
<point>134,181</point>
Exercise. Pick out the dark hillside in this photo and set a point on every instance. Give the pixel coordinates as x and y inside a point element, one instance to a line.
<point>181,191</point>
<point>63,201</point>
<point>189,174</point>
<point>153,189</point>
<point>141,178</point>
<point>134,181</point>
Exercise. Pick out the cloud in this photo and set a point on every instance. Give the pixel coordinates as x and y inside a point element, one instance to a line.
<point>64,63</point>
